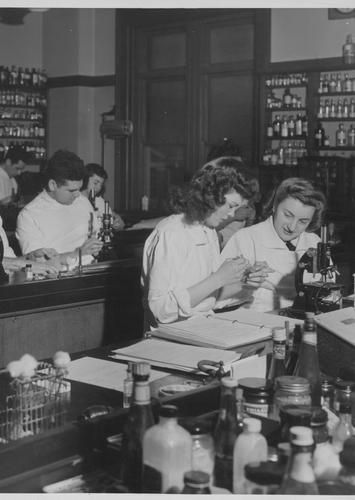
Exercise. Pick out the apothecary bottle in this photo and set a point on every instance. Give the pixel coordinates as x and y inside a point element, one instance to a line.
<point>225,434</point>
<point>344,393</point>
<point>349,50</point>
<point>202,446</point>
<point>277,365</point>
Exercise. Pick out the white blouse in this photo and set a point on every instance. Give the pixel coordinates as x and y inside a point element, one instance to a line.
<point>261,243</point>
<point>177,256</point>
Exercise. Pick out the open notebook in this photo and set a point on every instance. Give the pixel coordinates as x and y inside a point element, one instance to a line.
<point>224,330</point>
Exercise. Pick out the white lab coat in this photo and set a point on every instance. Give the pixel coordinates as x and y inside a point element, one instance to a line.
<point>176,256</point>
<point>261,243</point>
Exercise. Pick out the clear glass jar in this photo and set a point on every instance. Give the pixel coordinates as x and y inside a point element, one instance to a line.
<point>258,396</point>
<point>202,446</point>
<point>291,390</point>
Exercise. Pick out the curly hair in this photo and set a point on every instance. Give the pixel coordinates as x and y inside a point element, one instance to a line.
<point>304,191</point>
<point>92,169</point>
<point>207,189</point>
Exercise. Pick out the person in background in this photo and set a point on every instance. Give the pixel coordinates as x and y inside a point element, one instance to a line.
<point>13,263</point>
<point>11,166</point>
<point>246,215</point>
<point>281,240</point>
<point>182,274</point>
<point>60,221</point>
<point>94,188</point>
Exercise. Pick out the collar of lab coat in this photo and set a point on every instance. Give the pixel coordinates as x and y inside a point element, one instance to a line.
<point>271,239</point>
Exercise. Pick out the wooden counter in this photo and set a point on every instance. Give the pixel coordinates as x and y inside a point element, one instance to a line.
<point>70,313</point>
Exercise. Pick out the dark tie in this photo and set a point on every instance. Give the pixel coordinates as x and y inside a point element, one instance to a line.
<point>290,246</point>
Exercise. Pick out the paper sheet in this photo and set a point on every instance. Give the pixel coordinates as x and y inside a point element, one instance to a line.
<point>103,373</point>
<point>341,322</point>
<point>177,356</point>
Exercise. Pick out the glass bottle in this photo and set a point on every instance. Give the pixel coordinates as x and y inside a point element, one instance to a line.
<point>332,83</point>
<point>327,399</point>
<point>298,125</point>
<point>347,83</point>
<point>352,108</point>
<point>308,363</point>
<point>339,85</point>
<point>299,478</point>
<point>351,136</point>
<point>349,50</point>
<point>287,97</point>
<point>202,446</point>
<point>304,126</point>
<point>277,126</point>
<point>344,428</point>
<point>128,384</point>
<point>332,113</point>
<point>326,109</point>
<point>294,350</point>
<point>196,483</point>
<point>347,460</point>
<point>225,434</point>
<point>340,109</point>
<point>340,136</point>
<point>277,365</point>
<point>291,126</point>
<point>326,463</point>
<point>250,446</point>
<point>139,419</point>
<point>319,134</point>
<point>284,128</point>
<point>167,450</point>
<point>345,108</point>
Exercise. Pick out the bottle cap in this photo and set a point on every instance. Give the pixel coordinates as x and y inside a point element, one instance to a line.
<point>252,424</point>
<point>279,333</point>
<point>256,385</point>
<point>168,411</point>
<point>229,382</point>
<point>141,371</point>
<point>196,478</point>
<point>301,436</point>
<point>344,385</point>
<point>293,384</point>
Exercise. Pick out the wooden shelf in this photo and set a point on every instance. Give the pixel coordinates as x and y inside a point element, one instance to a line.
<point>293,138</point>
<point>286,109</point>
<point>336,148</point>
<point>336,119</point>
<point>335,94</point>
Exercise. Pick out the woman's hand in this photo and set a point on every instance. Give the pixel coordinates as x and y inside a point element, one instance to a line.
<point>49,269</point>
<point>256,274</point>
<point>231,271</point>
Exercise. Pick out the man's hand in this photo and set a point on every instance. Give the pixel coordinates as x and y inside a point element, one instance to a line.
<point>91,246</point>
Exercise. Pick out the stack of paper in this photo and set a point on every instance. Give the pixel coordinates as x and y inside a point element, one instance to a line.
<point>174,356</point>
<point>224,330</point>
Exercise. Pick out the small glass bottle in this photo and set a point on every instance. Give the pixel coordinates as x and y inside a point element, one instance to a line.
<point>299,478</point>
<point>344,428</point>
<point>349,50</point>
<point>128,384</point>
<point>139,419</point>
<point>351,136</point>
<point>277,365</point>
<point>202,446</point>
<point>319,134</point>
<point>28,272</point>
<point>340,136</point>
<point>294,350</point>
<point>196,483</point>
<point>225,434</point>
<point>308,363</point>
<point>327,398</point>
<point>325,459</point>
<point>249,446</point>
<point>166,453</point>
<point>344,393</point>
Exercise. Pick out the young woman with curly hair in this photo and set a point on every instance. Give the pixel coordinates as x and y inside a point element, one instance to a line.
<point>182,272</point>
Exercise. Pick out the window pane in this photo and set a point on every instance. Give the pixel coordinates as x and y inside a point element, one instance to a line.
<point>168,51</point>
<point>232,43</point>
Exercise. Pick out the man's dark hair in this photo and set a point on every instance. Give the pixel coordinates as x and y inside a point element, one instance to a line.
<point>15,154</point>
<point>92,169</point>
<point>64,166</point>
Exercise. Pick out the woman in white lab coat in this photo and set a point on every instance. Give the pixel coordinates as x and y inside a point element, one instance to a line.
<point>280,241</point>
<point>182,273</point>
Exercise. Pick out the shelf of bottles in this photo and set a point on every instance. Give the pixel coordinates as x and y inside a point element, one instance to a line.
<point>286,119</point>
<point>335,129</point>
<point>23,104</point>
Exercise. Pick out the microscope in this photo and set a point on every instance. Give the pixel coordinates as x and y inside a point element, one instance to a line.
<point>106,236</point>
<point>317,296</point>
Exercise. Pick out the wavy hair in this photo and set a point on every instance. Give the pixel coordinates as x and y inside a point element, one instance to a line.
<point>304,191</point>
<point>207,189</point>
